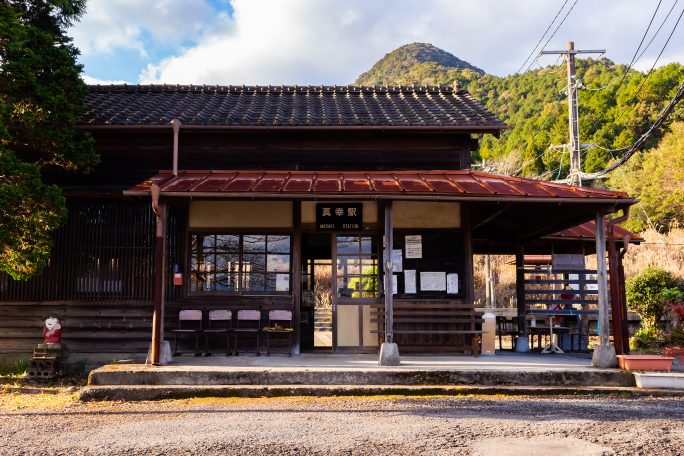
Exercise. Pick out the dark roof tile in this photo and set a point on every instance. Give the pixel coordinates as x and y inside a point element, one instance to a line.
<point>289,106</point>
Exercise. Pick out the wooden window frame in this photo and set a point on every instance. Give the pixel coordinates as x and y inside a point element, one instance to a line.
<point>240,285</point>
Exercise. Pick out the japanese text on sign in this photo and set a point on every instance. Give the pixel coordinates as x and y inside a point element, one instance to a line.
<point>339,216</point>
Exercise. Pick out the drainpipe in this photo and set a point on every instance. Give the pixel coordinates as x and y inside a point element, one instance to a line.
<point>159,208</point>
<point>176,124</point>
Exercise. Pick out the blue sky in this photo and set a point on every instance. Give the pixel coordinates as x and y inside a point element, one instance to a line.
<point>332,42</point>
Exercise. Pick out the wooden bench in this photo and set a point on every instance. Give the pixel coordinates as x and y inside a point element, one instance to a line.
<point>432,317</point>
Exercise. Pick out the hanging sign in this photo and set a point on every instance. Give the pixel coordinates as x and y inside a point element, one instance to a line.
<point>339,216</point>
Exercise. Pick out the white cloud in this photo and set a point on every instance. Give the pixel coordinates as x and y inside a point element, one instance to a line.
<point>94,81</point>
<point>330,42</point>
<point>110,25</point>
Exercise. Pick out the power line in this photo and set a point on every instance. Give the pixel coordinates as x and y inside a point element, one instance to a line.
<point>543,35</point>
<point>643,37</point>
<point>622,112</point>
<point>491,103</point>
<point>667,16</point>
<point>639,143</point>
<point>652,66</point>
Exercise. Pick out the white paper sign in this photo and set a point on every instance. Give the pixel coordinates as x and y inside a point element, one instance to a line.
<point>452,283</point>
<point>433,281</point>
<point>395,287</point>
<point>397,261</point>
<point>414,246</point>
<point>282,282</point>
<point>410,281</point>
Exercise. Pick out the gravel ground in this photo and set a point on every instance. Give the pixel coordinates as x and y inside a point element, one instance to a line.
<point>376,425</point>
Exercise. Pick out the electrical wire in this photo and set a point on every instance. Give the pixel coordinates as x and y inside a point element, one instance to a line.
<point>667,16</point>
<point>643,37</point>
<point>639,143</point>
<point>652,66</point>
<point>491,103</point>
<point>543,35</point>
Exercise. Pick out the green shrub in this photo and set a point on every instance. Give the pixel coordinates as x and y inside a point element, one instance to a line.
<point>644,338</point>
<point>645,294</point>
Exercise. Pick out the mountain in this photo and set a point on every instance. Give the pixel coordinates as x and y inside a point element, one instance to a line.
<point>612,114</point>
<point>411,60</point>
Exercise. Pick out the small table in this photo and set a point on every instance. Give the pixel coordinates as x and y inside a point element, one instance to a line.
<point>279,330</point>
<point>552,347</point>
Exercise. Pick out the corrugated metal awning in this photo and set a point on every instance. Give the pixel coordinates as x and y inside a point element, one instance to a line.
<point>435,185</point>
<point>587,232</point>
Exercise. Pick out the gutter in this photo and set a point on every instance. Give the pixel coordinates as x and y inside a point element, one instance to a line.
<point>359,196</point>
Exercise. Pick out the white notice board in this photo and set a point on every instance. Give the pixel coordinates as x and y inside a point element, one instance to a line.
<point>433,281</point>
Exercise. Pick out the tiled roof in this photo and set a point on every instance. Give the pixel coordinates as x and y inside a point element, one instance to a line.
<point>455,184</point>
<point>287,106</point>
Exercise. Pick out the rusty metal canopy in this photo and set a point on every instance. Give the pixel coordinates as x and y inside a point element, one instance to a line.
<point>435,185</point>
<point>587,232</point>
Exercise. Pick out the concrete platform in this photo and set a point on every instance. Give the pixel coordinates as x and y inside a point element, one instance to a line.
<point>362,370</point>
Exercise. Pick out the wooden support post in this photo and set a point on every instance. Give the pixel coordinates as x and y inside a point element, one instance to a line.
<point>296,272</point>
<point>604,353</point>
<point>159,208</point>
<point>389,351</point>
<point>387,264</point>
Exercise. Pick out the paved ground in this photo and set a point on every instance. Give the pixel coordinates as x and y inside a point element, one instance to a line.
<point>381,425</point>
<point>328,361</point>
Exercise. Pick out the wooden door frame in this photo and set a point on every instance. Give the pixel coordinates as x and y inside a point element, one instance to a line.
<point>358,302</point>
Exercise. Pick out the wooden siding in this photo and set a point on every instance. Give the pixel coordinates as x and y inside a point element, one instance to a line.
<point>99,282</point>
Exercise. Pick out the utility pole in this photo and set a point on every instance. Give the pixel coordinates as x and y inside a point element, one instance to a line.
<point>575,146</point>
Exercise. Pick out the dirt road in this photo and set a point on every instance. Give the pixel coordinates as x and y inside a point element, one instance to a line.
<point>380,425</point>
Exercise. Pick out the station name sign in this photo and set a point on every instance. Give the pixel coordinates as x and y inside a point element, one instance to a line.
<point>339,216</point>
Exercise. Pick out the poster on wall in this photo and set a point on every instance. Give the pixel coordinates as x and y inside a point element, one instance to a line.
<point>397,261</point>
<point>452,283</point>
<point>410,281</point>
<point>283,282</point>
<point>433,281</point>
<point>414,246</point>
<point>395,286</point>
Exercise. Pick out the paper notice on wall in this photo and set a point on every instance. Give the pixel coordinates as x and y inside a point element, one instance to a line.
<point>397,261</point>
<point>283,282</point>
<point>452,283</point>
<point>395,286</point>
<point>410,281</point>
<point>414,246</point>
<point>433,281</point>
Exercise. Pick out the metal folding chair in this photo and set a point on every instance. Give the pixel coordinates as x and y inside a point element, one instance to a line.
<point>279,317</point>
<point>189,323</point>
<point>248,322</point>
<point>220,322</point>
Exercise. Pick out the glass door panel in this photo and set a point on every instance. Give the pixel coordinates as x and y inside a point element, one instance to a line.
<point>356,287</point>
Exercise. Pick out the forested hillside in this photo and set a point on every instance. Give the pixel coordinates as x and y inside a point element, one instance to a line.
<point>614,110</point>
<point>534,105</point>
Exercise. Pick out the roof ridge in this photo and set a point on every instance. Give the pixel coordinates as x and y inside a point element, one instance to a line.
<point>287,88</point>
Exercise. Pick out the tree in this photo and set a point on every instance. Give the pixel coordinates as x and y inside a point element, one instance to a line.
<point>655,178</point>
<point>41,95</point>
